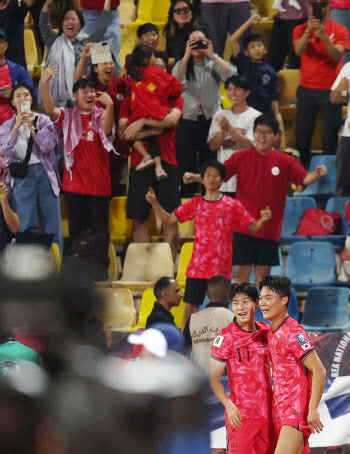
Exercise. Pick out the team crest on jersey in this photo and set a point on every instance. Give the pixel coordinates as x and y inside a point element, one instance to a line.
<point>301,338</point>
<point>218,341</point>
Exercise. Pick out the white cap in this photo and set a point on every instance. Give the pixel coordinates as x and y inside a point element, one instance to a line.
<point>153,340</point>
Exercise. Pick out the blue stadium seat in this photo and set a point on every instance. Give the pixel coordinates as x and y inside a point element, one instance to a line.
<point>334,205</point>
<point>311,264</point>
<point>325,309</point>
<point>324,187</point>
<point>295,207</point>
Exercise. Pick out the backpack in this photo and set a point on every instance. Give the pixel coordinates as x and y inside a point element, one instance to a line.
<point>319,222</point>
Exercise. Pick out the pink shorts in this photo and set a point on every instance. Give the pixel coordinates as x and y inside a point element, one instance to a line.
<point>302,426</point>
<point>255,434</point>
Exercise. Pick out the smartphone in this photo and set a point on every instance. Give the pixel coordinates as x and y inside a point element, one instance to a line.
<point>100,53</point>
<point>201,44</point>
<point>25,106</point>
<point>317,9</point>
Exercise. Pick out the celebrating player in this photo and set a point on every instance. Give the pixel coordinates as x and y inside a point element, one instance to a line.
<point>242,347</point>
<point>298,373</point>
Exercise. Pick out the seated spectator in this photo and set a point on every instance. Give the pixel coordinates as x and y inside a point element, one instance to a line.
<point>9,222</point>
<point>181,22</point>
<point>216,216</point>
<point>168,294</point>
<point>117,87</point>
<point>232,129</point>
<point>10,74</point>
<point>92,11</point>
<point>340,88</point>
<point>64,49</point>
<point>37,194</point>
<point>201,72</point>
<point>12,15</point>
<point>202,328</point>
<point>321,45</point>
<point>86,180</point>
<point>250,63</point>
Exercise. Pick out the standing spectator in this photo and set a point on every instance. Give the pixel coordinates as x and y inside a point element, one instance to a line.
<point>282,35</point>
<point>224,16</point>
<point>340,12</point>
<point>37,194</point>
<point>168,295</point>
<point>86,179</point>
<point>12,15</point>
<point>65,48</point>
<point>10,74</point>
<point>321,45</point>
<point>200,71</point>
<point>263,174</point>
<point>9,222</point>
<point>250,63</point>
<point>181,22</point>
<point>92,11</point>
<point>232,129</point>
<point>203,327</point>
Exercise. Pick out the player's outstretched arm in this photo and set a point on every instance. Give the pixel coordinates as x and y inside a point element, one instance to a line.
<point>314,364</point>
<point>234,415</point>
<point>168,218</point>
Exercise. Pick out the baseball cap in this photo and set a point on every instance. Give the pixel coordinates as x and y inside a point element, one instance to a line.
<point>173,335</point>
<point>153,340</point>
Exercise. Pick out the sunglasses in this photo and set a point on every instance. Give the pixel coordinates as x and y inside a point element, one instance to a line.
<point>185,10</point>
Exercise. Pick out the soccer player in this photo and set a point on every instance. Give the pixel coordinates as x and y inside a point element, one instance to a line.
<point>298,374</point>
<point>243,348</point>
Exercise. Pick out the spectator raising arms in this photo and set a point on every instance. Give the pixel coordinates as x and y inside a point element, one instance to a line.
<point>37,194</point>
<point>200,71</point>
<point>65,48</point>
<point>86,180</point>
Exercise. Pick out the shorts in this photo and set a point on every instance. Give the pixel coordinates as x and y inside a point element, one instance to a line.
<point>257,434</point>
<point>195,291</point>
<point>302,426</point>
<point>248,249</point>
<point>167,191</point>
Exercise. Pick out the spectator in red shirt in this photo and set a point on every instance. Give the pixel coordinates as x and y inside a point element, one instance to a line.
<point>321,44</point>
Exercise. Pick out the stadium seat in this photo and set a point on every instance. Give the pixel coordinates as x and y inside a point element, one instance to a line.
<point>295,207</point>
<point>186,228</point>
<point>126,12</point>
<point>64,218</point>
<point>288,82</point>
<point>147,304</point>
<point>324,187</point>
<point>311,264</point>
<point>155,11</point>
<point>184,260</point>
<point>144,264</point>
<point>56,258</point>
<point>120,228</point>
<point>325,309</point>
<point>264,8</point>
<point>334,205</point>
<point>113,272</point>
<point>118,313</point>
<point>30,51</point>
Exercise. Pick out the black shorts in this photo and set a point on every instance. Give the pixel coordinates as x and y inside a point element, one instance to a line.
<point>195,291</point>
<point>248,249</point>
<point>167,191</point>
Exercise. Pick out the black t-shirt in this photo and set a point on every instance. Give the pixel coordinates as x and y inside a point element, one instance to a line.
<point>12,21</point>
<point>159,314</point>
<point>5,234</point>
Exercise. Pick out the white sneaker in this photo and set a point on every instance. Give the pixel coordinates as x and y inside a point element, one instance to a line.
<point>161,174</point>
<point>144,164</point>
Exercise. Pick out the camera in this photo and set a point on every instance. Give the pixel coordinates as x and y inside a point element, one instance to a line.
<point>201,44</point>
<point>317,9</point>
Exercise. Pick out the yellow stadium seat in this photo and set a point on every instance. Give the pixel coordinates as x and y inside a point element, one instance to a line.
<point>120,228</point>
<point>118,313</point>
<point>64,218</point>
<point>155,11</point>
<point>186,228</point>
<point>226,103</point>
<point>113,272</point>
<point>288,82</point>
<point>264,8</point>
<point>30,51</point>
<point>144,264</point>
<point>147,304</point>
<point>56,256</point>
<point>126,12</point>
<point>184,260</point>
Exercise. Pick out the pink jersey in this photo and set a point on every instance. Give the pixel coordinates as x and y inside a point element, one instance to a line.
<point>214,223</point>
<point>289,346</point>
<point>248,362</point>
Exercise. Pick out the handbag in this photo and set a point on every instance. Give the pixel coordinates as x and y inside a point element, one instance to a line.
<point>20,169</point>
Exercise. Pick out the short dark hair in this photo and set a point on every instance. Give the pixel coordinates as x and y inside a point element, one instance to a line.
<point>162,283</point>
<point>220,285</point>
<point>17,86</point>
<point>238,81</point>
<point>246,288</point>
<point>267,120</point>
<point>82,84</point>
<point>278,284</point>
<point>145,28</point>
<point>252,38</point>
<point>217,165</point>
<point>162,55</point>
